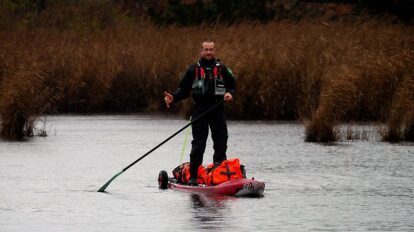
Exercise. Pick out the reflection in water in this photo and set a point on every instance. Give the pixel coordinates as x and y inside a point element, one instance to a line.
<point>206,201</point>
<point>209,211</point>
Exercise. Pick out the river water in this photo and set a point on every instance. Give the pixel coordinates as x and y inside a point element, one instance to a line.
<point>50,183</point>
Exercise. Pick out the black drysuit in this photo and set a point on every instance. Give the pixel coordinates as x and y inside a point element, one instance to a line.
<point>201,103</point>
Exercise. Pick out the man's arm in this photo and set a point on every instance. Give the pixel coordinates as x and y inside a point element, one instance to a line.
<point>229,80</point>
<point>184,88</point>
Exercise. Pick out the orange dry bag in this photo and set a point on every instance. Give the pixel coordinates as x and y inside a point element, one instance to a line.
<point>227,170</point>
<point>182,174</point>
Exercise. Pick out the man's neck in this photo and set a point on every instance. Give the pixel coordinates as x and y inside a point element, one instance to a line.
<point>204,61</point>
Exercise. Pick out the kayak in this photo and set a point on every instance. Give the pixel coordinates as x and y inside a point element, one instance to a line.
<point>238,188</point>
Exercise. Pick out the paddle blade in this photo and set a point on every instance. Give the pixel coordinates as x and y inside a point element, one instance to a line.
<point>102,189</point>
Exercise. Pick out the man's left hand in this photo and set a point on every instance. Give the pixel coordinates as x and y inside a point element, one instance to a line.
<point>228,97</point>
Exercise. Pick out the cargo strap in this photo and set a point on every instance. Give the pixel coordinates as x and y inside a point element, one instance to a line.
<point>228,173</point>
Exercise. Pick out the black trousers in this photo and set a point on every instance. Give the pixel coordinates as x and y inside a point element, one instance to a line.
<point>216,120</point>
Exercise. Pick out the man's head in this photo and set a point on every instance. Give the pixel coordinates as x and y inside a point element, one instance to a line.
<point>208,50</point>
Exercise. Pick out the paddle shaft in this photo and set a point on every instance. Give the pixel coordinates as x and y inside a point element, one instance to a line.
<point>102,189</point>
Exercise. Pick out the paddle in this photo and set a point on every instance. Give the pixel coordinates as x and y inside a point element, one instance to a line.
<point>102,189</point>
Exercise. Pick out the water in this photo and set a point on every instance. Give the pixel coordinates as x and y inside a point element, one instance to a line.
<point>50,184</point>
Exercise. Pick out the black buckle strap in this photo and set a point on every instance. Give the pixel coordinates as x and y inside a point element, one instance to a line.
<point>228,173</point>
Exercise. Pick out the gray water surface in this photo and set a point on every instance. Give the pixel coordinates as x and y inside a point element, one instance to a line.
<point>50,183</point>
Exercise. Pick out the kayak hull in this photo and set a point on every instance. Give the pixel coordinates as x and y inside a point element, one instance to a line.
<point>239,188</point>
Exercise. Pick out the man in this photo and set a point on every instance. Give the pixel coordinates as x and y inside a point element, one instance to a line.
<point>210,82</point>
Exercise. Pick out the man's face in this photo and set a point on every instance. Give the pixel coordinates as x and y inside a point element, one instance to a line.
<point>208,50</point>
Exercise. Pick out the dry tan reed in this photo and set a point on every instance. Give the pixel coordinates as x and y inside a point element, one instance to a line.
<point>317,72</point>
<point>337,97</point>
<point>400,124</point>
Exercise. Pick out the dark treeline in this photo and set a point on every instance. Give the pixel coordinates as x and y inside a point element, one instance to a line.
<point>228,11</point>
<point>196,12</point>
<point>323,68</point>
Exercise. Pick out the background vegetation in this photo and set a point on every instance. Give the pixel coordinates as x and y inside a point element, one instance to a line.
<point>294,60</point>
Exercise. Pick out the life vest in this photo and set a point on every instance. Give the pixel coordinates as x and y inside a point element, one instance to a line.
<point>227,170</point>
<point>200,72</point>
<point>199,86</point>
<point>182,174</point>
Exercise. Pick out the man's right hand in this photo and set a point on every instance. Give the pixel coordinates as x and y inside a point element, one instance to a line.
<point>168,98</point>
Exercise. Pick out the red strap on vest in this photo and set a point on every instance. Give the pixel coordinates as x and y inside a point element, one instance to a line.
<point>200,73</point>
<point>215,72</point>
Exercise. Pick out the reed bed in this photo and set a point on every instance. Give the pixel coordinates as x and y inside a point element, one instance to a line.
<point>359,131</point>
<point>320,73</point>
<point>400,123</point>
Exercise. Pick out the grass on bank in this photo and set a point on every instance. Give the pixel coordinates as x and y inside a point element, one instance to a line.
<point>321,73</point>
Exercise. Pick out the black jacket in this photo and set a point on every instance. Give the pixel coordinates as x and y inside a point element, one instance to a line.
<point>185,85</point>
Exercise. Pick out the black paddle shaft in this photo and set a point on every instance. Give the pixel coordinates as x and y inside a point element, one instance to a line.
<point>102,189</point>
<point>173,135</point>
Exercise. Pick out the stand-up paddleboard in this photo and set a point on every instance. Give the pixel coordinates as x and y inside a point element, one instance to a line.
<point>239,187</point>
